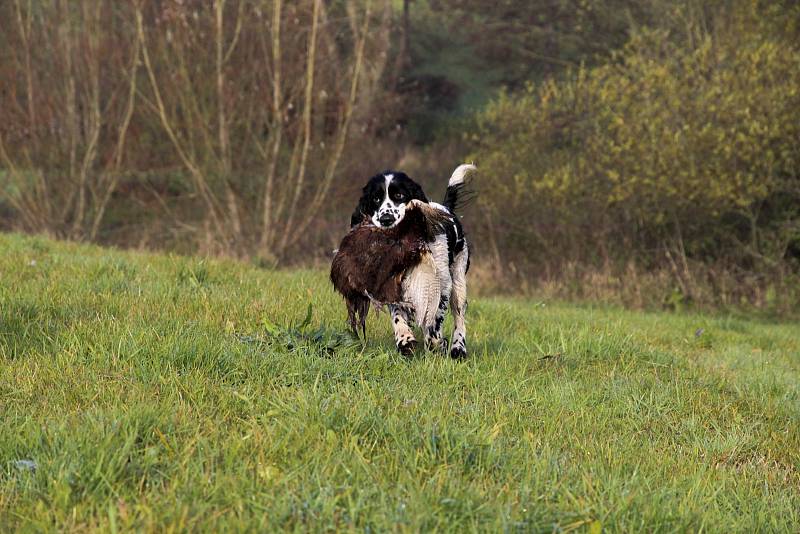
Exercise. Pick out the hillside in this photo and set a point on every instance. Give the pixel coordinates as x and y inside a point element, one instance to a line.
<point>156,393</point>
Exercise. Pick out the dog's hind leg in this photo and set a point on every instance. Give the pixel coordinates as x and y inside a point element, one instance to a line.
<point>458,304</point>
<point>351,318</point>
<point>363,310</point>
<point>403,334</point>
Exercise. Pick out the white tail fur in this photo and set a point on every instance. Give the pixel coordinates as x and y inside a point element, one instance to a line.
<point>460,173</point>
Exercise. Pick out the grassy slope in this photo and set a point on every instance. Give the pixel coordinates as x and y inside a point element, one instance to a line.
<point>126,378</point>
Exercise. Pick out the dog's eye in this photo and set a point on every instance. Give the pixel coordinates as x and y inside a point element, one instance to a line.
<point>398,196</point>
<point>376,199</point>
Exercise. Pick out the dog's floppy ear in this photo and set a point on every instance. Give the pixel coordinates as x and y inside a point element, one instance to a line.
<point>365,207</point>
<point>416,192</point>
<point>361,211</point>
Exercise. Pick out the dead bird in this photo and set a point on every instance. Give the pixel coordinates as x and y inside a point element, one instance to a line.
<point>381,266</point>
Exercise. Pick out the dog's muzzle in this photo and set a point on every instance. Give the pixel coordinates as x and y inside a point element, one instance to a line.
<point>387,219</point>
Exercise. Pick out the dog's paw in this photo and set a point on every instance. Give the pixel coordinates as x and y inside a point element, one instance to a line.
<point>436,345</point>
<point>407,348</point>
<point>458,353</point>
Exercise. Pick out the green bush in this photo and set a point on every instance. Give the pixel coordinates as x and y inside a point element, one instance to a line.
<point>672,148</point>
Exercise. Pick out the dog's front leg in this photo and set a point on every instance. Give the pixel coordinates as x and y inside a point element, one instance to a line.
<point>403,334</point>
<point>433,333</point>
<point>458,305</point>
<point>459,349</point>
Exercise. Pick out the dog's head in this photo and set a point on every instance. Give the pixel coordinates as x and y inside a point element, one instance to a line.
<point>384,198</point>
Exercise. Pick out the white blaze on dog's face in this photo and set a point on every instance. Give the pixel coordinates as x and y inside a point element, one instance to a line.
<point>393,205</point>
<point>385,198</point>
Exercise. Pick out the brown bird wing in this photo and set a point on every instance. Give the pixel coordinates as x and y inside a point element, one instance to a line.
<point>371,263</point>
<point>426,219</point>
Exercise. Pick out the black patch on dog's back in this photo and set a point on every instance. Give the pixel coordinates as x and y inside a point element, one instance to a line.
<point>455,239</point>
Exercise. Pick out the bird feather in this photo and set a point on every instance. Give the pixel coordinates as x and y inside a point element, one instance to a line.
<point>422,289</point>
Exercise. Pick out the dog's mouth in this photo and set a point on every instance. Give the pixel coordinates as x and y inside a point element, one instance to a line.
<point>386,220</point>
<point>389,216</point>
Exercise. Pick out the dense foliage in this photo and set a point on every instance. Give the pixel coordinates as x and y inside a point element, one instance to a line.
<point>667,153</point>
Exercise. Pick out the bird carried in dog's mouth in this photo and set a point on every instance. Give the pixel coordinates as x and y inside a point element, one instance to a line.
<point>381,266</point>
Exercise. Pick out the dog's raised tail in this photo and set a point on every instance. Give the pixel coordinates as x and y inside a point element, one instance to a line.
<point>455,187</point>
<point>457,178</point>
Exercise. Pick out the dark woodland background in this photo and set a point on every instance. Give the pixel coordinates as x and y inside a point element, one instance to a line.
<point>645,152</point>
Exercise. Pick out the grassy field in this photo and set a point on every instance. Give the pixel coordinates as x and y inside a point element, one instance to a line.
<point>159,393</point>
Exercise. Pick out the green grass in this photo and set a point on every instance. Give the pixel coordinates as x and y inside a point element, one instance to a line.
<point>157,393</point>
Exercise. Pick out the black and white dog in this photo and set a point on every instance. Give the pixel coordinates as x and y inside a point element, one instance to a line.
<point>383,202</point>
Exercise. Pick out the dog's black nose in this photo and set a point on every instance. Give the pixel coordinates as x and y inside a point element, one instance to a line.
<point>387,219</point>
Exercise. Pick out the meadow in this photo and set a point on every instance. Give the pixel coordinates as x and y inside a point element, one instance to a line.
<point>161,393</point>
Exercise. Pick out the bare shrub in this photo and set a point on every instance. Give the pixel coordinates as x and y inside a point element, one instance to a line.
<point>252,102</point>
<point>70,71</point>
